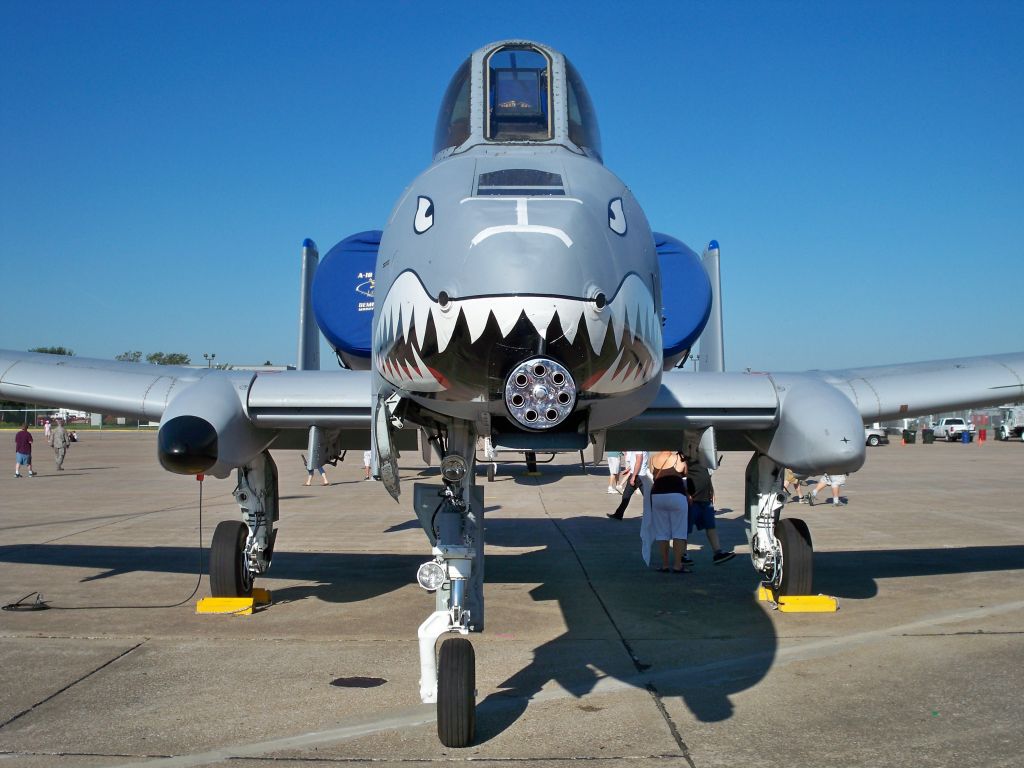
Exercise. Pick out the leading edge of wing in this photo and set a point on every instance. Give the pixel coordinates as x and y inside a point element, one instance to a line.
<point>273,399</point>
<point>298,399</point>
<point>750,402</point>
<point>936,386</point>
<point>136,390</point>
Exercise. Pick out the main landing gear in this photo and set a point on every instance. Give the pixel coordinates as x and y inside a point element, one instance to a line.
<point>242,549</point>
<point>452,517</point>
<point>780,548</point>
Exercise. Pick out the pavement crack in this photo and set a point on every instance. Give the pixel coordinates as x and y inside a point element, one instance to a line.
<point>962,633</point>
<point>640,667</point>
<point>476,759</point>
<point>73,683</point>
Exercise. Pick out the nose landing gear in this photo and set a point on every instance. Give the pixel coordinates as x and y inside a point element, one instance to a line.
<point>456,692</point>
<point>452,519</point>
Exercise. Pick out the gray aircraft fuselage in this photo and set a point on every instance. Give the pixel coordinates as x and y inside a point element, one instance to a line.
<point>519,279</point>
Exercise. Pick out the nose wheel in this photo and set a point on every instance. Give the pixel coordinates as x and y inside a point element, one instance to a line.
<point>456,693</point>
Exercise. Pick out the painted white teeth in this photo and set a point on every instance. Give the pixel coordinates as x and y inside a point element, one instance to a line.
<point>444,325</point>
<point>407,309</point>
<point>476,318</point>
<point>507,319</point>
<point>540,312</point>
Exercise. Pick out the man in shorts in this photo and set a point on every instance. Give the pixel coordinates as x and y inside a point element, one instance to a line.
<point>23,451</point>
<point>836,481</point>
<point>702,509</point>
<point>792,484</point>
<point>614,468</point>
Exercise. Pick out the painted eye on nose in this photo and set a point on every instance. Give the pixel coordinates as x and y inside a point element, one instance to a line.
<point>616,217</point>
<point>424,215</point>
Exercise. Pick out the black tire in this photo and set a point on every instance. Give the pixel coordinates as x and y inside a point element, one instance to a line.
<point>490,473</point>
<point>229,575</point>
<point>873,441</point>
<point>456,693</point>
<point>797,557</point>
<point>531,461</point>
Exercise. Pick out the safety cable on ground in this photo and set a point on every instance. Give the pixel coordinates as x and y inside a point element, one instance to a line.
<point>26,603</point>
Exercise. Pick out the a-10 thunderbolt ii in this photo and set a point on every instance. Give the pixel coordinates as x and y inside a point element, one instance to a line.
<point>519,294</point>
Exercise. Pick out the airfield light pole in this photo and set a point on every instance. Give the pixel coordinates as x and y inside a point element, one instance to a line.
<point>209,359</point>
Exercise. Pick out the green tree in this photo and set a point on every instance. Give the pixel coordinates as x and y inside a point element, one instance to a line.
<point>168,358</point>
<point>53,350</point>
<point>129,357</point>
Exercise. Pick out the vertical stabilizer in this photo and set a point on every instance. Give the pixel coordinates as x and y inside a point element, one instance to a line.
<point>712,344</point>
<point>309,332</point>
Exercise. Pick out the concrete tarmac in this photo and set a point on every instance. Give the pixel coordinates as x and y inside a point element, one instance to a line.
<point>586,655</point>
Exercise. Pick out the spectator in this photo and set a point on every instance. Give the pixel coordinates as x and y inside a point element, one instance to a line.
<point>60,443</point>
<point>614,468</point>
<point>792,485</point>
<point>638,478</point>
<point>323,476</point>
<point>367,464</point>
<point>702,508</point>
<point>23,451</point>
<point>836,481</point>
<point>667,518</point>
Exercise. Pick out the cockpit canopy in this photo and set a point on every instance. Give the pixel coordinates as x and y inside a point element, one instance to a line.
<point>518,95</point>
<point>517,92</point>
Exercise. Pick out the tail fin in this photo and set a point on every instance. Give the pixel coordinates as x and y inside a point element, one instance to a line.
<point>712,344</point>
<point>309,332</point>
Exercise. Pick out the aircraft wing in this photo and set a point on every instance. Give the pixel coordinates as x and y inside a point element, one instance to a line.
<point>137,390</point>
<point>271,399</point>
<point>915,389</point>
<point>813,421</point>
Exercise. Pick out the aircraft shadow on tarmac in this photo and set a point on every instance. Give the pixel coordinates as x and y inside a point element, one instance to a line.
<point>701,637</point>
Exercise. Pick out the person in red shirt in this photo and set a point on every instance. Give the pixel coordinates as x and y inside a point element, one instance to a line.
<point>23,451</point>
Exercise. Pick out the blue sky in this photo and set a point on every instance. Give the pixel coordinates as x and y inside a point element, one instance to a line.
<point>861,164</point>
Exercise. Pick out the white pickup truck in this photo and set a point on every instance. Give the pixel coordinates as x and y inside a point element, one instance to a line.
<point>952,429</point>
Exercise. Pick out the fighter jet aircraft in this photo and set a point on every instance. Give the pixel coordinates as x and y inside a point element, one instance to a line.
<point>518,293</point>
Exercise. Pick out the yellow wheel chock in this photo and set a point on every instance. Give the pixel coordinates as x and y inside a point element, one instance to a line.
<point>798,603</point>
<point>235,606</point>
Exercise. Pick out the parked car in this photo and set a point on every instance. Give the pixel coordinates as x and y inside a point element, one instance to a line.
<point>951,429</point>
<point>875,436</point>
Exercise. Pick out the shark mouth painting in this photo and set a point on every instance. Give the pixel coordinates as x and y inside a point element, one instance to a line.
<point>464,348</point>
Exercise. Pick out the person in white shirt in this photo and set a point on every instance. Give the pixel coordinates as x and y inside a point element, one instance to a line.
<point>639,478</point>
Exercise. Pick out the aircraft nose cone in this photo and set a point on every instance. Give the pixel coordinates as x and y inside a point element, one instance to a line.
<point>187,445</point>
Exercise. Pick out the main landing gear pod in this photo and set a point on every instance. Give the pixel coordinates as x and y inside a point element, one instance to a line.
<point>452,517</point>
